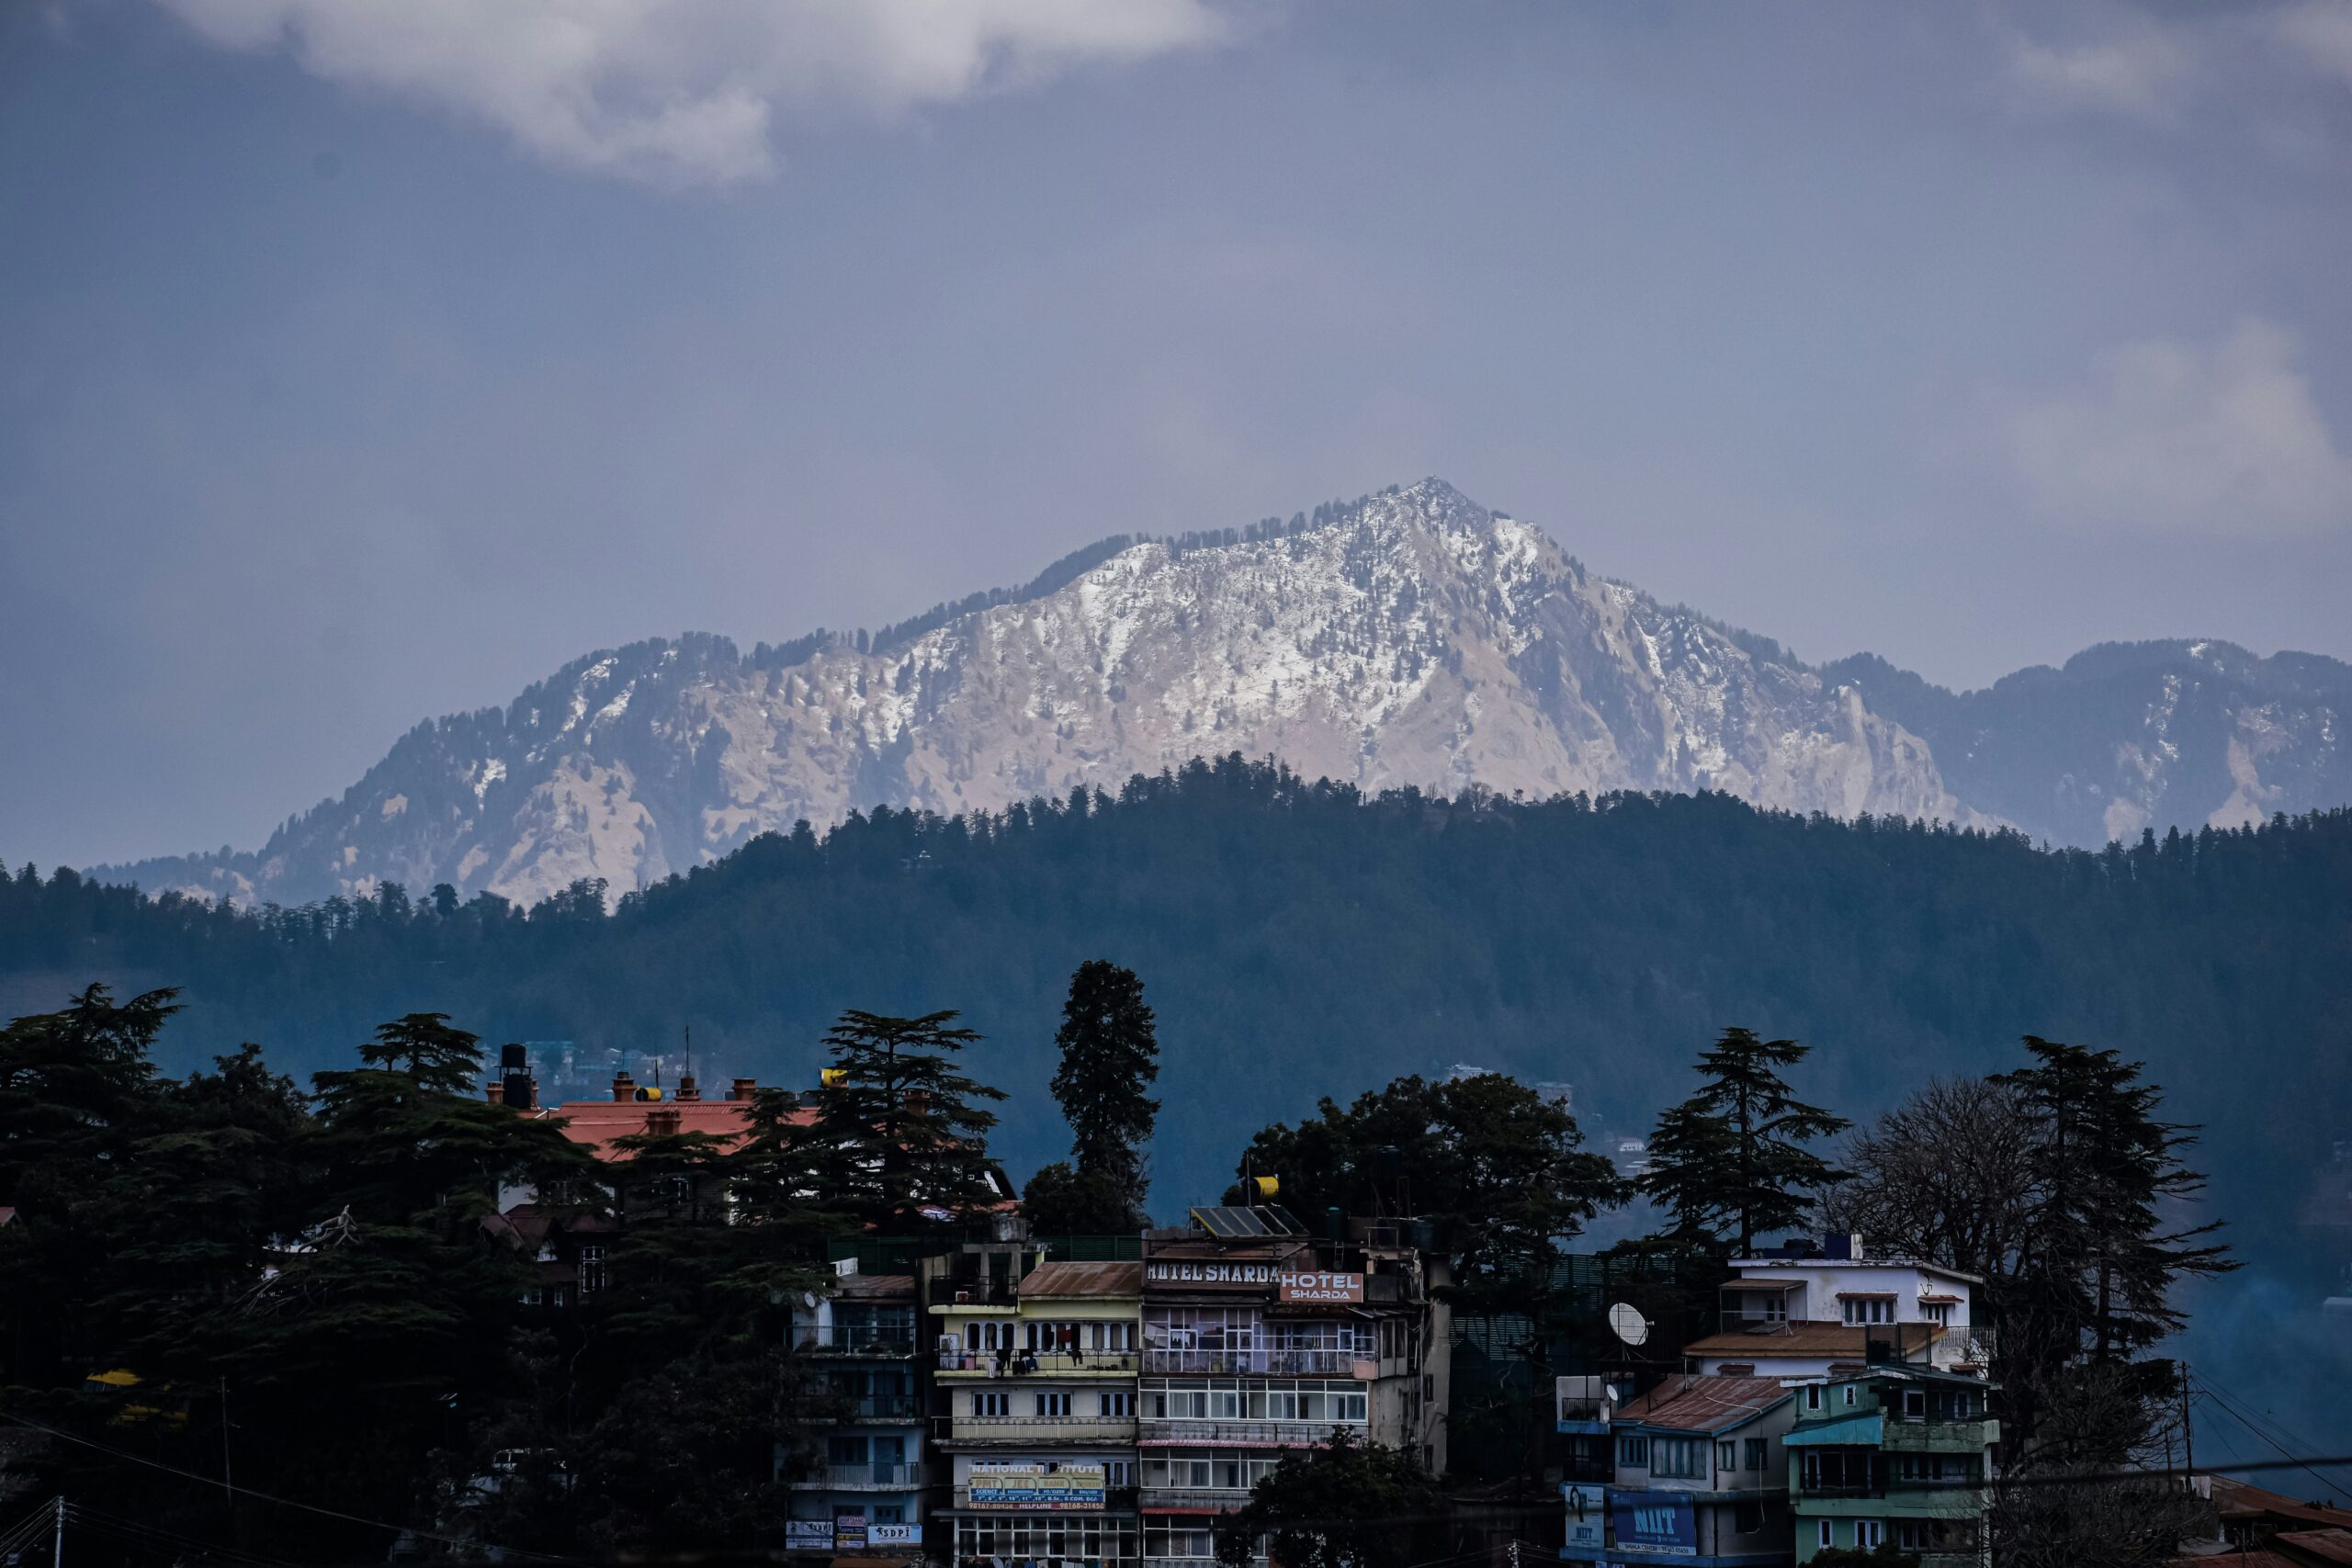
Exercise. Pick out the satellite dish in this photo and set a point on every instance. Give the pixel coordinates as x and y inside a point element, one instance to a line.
<point>809,1299</point>
<point>1627,1323</point>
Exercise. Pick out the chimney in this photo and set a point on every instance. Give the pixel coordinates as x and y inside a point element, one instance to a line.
<point>663,1123</point>
<point>687,1088</point>
<point>624,1086</point>
<point>744,1089</point>
<point>495,1092</point>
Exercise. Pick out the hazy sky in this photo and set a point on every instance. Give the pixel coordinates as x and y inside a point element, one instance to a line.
<point>365,359</point>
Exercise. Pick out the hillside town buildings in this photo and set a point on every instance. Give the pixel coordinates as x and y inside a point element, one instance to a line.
<point>992,1401</point>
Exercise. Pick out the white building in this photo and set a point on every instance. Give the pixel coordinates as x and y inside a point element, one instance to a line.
<point>1803,1315</point>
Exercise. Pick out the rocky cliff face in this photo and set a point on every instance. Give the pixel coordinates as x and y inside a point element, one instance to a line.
<point>1412,637</point>
<point>2130,737</point>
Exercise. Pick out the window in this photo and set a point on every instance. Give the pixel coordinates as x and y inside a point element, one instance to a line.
<point>1054,1404</point>
<point>1937,1312</point>
<point>1727,1455</point>
<point>1821,1533</point>
<point>991,1405</point>
<point>889,1513</point>
<point>1681,1459</point>
<point>1813,1396</point>
<point>1850,1393</point>
<point>592,1271</point>
<point>1115,1403</point>
<point>1870,1534</point>
<point>1632,1453</point>
<point>1869,1309</point>
<point>1757,1451</point>
<point>1117,1473</point>
<point>842,1449</point>
<point>1915,1404</point>
<point>1936,1535</point>
<point>1746,1516</point>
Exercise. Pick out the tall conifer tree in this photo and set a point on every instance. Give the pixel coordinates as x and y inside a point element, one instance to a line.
<point>1110,1057</point>
<point>1730,1163</point>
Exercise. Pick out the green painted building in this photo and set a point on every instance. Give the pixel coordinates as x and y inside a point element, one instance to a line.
<point>1899,1455</point>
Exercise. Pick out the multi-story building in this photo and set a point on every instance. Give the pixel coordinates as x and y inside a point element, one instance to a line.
<point>1700,1476</point>
<point>1899,1455</point>
<point>1037,1436</point>
<point>863,1490</point>
<point>1801,1315</point>
<point>1260,1340</point>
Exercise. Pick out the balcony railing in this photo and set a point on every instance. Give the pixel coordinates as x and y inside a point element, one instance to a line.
<point>1841,1489</point>
<point>883,1407</point>
<point>835,1339</point>
<point>879,1474</point>
<point>1255,1363</point>
<point>1217,1497</point>
<point>1040,1429</point>
<point>1036,1363</point>
<point>1285,1434</point>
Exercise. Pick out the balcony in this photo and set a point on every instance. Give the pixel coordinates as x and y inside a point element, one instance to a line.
<point>881,1341</point>
<point>1259,1434</point>
<point>1262,1363</point>
<point>1832,1489</point>
<point>1037,1363</point>
<point>1217,1498</point>
<point>883,1407</point>
<point>1019,1428</point>
<point>875,1475</point>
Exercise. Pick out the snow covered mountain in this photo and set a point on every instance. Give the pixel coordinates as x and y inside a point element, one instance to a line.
<point>1408,638</point>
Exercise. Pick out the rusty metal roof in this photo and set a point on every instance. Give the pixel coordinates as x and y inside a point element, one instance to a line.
<point>1692,1404</point>
<point>1083,1280</point>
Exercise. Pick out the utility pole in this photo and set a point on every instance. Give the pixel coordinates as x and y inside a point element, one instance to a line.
<point>57,1547</point>
<point>2188,1445</point>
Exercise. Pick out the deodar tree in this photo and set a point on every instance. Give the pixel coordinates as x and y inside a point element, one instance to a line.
<point>1730,1163</point>
<point>1110,1055</point>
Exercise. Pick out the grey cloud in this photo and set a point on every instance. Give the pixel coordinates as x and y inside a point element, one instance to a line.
<point>687,91</point>
<point>2225,437</point>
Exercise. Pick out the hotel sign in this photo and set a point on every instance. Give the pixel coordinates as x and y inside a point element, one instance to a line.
<point>1180,1271</point>
<point>1307,1286</point>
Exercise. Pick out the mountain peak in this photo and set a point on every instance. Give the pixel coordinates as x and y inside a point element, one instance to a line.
<point>1410,636</point>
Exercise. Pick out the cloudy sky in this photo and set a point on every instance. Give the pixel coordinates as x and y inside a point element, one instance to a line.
<point>366,359</point>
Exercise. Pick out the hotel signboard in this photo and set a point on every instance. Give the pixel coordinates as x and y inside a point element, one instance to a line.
<point>1308,1285</point>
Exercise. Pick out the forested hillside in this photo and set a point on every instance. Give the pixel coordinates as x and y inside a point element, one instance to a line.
<point>1303,938</point>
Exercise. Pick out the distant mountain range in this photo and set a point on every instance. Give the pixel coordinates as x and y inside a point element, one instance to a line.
<point>1410,637</point>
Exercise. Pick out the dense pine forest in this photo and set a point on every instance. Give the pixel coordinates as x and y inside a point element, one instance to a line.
<point>1304,939</point>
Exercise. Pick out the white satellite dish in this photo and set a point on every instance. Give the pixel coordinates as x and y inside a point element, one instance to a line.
<point>1627,1323</point>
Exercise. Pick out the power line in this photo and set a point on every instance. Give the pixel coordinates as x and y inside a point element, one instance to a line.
<point>2214,1398</point>
<point>271,1497</point>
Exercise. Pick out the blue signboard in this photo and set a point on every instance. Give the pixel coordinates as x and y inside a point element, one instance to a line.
<point>1659,1523</point>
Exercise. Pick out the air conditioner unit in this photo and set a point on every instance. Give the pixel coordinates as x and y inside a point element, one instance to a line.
<point>963,1298</point>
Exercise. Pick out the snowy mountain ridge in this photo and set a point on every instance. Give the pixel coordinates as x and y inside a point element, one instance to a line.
<point>1412,637</point>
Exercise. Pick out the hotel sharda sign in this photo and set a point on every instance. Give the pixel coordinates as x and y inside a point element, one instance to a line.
<point>1264,1279</point>
<point>1325,1286</point>
<point>1197,1273</point>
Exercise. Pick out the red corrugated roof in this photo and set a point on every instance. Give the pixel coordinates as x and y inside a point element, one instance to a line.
<point>1691,1404</point>
<point>2323,1546</point>
<point>2242,1500</point>
<point>600,1123</point>
<point>1083,1280</point>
